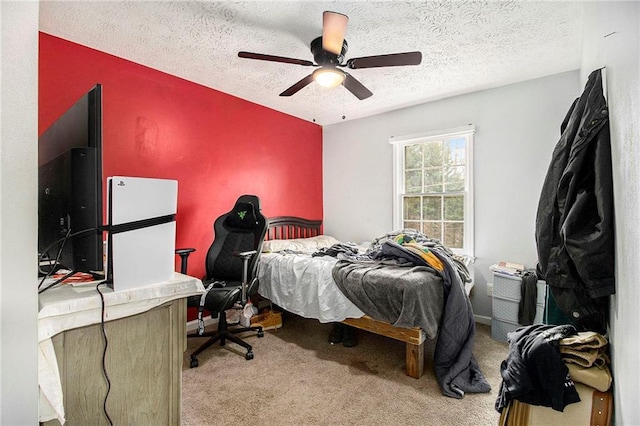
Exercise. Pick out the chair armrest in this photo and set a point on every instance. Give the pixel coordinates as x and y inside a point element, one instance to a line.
<point>185,251</point>
<point>184,256</point>
<point>245,254</point>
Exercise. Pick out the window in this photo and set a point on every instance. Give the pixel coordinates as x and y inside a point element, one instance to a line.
<point>433,186</point>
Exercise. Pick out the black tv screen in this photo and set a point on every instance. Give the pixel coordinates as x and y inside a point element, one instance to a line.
<point>70,188</point>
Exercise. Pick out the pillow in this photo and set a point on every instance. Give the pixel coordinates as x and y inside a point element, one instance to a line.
<point>305,245</point>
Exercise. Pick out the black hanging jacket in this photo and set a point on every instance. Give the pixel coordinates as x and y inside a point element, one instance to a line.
<point>574,223</point>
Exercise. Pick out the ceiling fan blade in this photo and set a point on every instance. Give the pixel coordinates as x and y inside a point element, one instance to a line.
<point>299,85</point>
<point>392,60</point>
<point>272,58</point>
<point>334,27</point>
<point>355,87</point>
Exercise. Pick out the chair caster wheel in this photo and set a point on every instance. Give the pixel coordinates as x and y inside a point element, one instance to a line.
<point>260,333</point>
<point>249,355</point>
<point>194,363</point>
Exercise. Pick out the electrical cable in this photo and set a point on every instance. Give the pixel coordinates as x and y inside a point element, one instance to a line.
<point>75,234</point>
<point>53,268</point>
<point>104,355</point>
<point>56,282</point>
<point>56,262</point>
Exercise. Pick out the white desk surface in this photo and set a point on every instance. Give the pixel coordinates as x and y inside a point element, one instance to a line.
<point>66,307</point>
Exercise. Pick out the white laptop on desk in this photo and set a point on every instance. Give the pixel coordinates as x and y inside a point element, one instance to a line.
<point>142,231</point>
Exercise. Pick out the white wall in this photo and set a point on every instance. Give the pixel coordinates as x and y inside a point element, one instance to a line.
<point>18,213</point>
<point>517,127</point>
<point>612,39</point>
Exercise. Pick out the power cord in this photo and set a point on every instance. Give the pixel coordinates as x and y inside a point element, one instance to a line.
<point>56,263</point>
<point>104,355</point>
<point>56,282</point>
<point>102,304</point>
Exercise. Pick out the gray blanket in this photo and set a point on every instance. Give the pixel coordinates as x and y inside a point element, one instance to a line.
<point>400,295</point>
<point>455,366</point>
<point>418,296</point>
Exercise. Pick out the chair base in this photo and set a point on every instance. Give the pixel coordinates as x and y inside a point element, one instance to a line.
<point>223,334</point>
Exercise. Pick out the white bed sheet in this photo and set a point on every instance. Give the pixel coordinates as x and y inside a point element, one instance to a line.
<point>303,285</point>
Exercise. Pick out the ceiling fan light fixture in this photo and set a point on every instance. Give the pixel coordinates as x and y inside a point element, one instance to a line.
<point>329,52</point>
<point>334,27</point>
<point>328,77</point>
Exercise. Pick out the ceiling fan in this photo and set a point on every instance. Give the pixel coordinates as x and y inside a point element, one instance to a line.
<point>329,53</point>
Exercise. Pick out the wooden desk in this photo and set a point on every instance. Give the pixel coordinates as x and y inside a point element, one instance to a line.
<point>143,358</point>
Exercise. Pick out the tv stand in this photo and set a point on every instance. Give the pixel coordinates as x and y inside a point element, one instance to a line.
<point>144,354</point>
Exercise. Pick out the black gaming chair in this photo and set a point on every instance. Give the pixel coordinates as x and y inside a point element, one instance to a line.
<point>231,265</point>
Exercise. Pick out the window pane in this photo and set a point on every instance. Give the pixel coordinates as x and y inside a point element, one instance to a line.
<point>456,151</point>
<point>433,230</point>
<point>413,156</point>
<point>454,187</point>
<point>433,154</point>
<point>411,208</point>
<point>432,208</point>
<point>454,178</point>
<point>433,189</point>
<point>413,181</point>
<point>433,180</point>
<point>412,225</point>
<point>454,208</point>
<point>453,234</point>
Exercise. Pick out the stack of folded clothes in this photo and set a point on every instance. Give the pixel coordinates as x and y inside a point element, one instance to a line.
<point>585,354</point>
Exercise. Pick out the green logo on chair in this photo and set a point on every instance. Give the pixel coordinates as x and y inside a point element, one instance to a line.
<point>242,214</point>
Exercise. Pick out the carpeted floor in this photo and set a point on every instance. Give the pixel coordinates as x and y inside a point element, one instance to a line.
<point>298,378</point>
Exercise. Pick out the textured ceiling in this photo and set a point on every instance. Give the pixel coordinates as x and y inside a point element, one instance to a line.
<point>466,45</point>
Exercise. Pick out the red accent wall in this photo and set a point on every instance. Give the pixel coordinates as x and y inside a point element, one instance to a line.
<point>217,146</point>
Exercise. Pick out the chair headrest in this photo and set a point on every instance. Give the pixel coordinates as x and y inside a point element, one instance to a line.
<point>242,216</point>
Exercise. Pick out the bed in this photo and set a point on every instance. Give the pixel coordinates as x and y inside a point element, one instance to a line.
<point>323,300</point>
<point>296,276</point>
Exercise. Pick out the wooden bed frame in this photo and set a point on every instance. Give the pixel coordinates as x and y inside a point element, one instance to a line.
<point>289,227</point>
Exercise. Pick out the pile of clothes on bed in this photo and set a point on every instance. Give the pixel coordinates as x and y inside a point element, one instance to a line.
<point>410,280</point>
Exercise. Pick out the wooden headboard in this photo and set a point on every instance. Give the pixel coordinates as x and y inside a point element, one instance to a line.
<point>288,227</point>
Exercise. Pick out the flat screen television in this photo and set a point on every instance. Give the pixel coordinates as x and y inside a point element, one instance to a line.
<point>70,220</point>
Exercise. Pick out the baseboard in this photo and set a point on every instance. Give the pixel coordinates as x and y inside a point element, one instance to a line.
<point>481,319</point>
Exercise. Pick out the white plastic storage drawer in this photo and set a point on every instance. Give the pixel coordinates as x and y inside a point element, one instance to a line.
<point>506,286</point>
<point>507,310</point>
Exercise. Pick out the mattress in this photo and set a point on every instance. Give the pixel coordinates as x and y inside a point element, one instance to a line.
<point>303,284</point>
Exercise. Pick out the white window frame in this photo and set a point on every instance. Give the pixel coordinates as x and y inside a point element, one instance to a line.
<point>399,142</point>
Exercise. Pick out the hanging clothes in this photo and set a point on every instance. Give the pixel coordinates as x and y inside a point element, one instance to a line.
<point>528,298</point>
<point>574,222</point>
